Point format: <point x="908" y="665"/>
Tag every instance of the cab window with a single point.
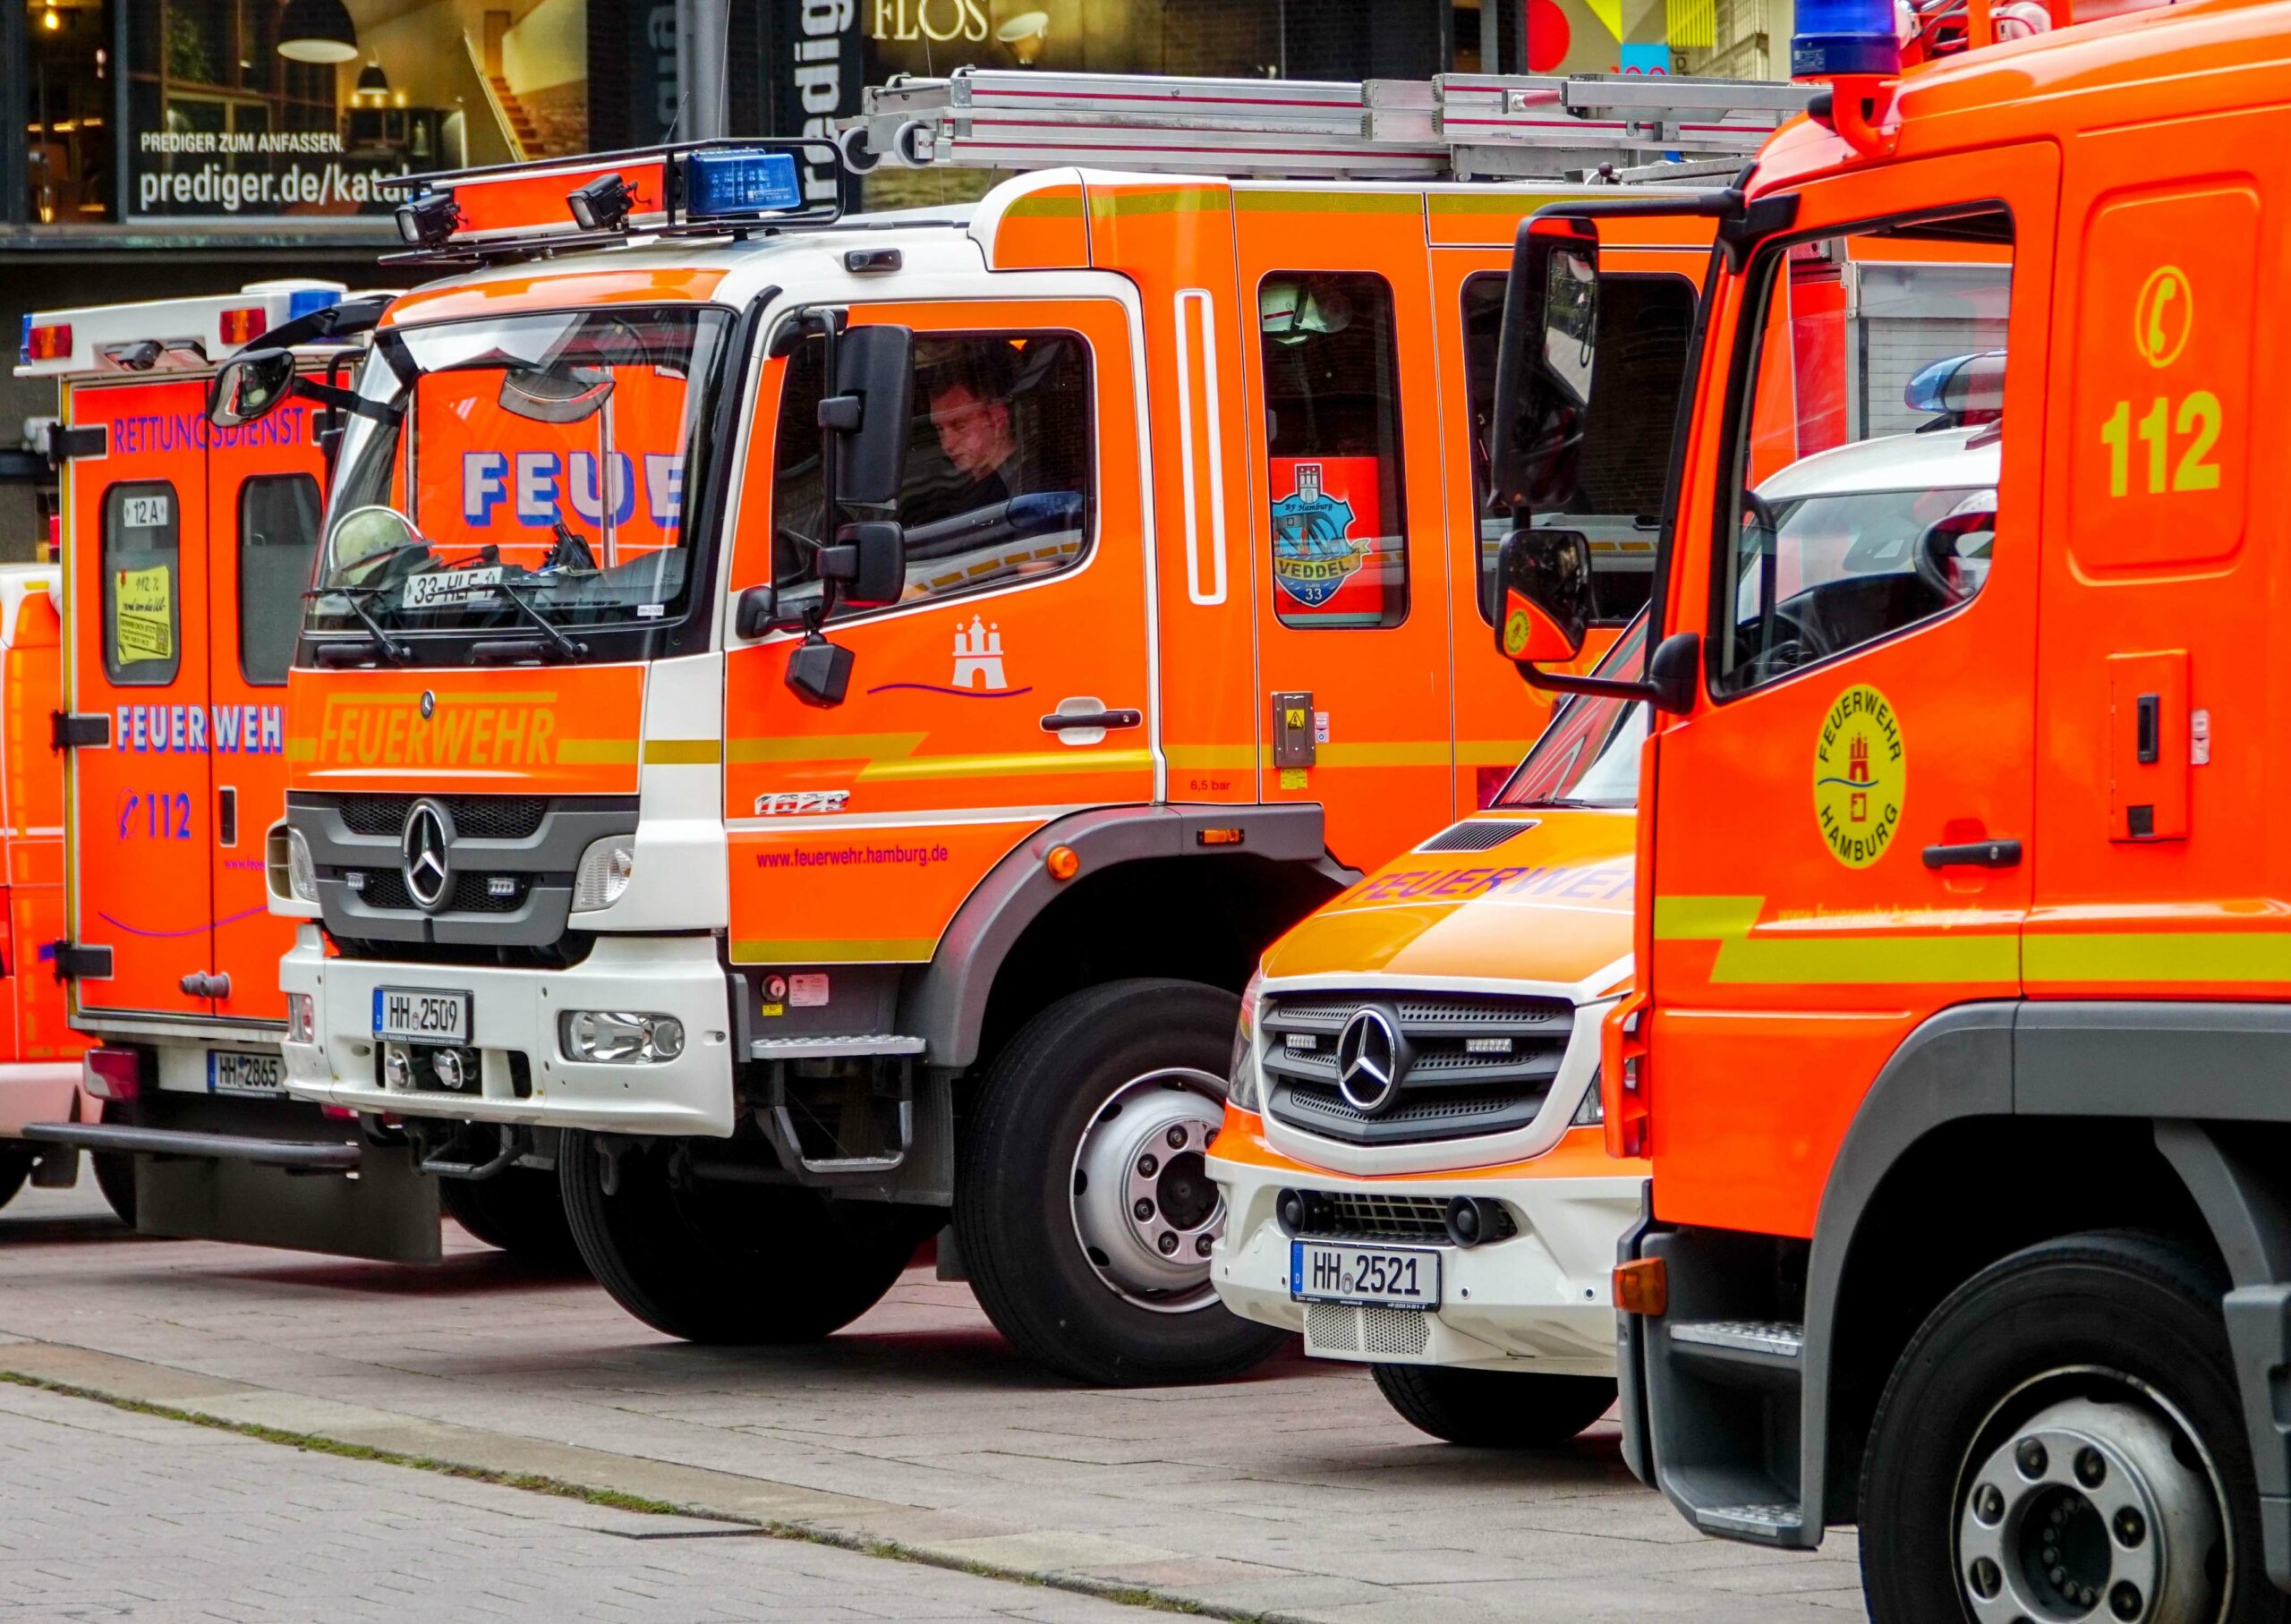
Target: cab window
<point x="278" y="533"/>
<point x="142" y="621"/>
<point x="999" y="486"/>
<point x="1589" y="754"/>
<point x="1645" y="325"/>
<point x="1864" y="457"/>
<point x="1332" y="450"/>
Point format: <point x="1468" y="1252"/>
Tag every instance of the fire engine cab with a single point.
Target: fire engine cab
<point x="808" y="723"/>
<point x="185" y="550"/>
<point x="1959" y="1051"/>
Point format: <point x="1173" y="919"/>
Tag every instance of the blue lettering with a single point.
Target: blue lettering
<point x="587" y="503"/>
<point x="537" y="488"/>
<point x="664" y="488"/>
<point x="484" y="483"/>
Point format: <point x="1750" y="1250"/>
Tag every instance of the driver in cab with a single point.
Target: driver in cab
<point x="968" y="401"/>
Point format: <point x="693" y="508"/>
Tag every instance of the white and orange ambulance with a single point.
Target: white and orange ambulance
<point x="186" y="552"/>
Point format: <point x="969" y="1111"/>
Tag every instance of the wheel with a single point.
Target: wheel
<point x="116" y="1171"/>
<point x="519" y="1210"/>
<point x="1493" y="1410"/>
<point x="15" y="1167"/>
<point x="2063" y="1439"/>
<point x="1081" y="1202"/>
<point x="731" y="1263"/>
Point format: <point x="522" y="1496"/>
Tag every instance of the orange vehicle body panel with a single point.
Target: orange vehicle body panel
<point x="556" y="289"/>
<point x="1580" y="1153"/>
<point x="1783" y="978"/>
<point x="32" y="1015"/>
<point x="558" y="730"/>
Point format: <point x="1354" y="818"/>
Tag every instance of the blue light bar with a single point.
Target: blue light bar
<point x="1839" y="37"/>
<point x="724" y="183"/>
<point x="306" y="301"/>
<point x="1970" y="388"/>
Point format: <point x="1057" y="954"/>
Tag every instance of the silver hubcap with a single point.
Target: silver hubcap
<point x="2087" y="1510"/>
<point x="1144" y="1210"/>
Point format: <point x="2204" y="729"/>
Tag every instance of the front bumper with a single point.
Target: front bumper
<point x="37" y="1091"/>
<point x="515" y="1012"/>
<point x="1540" y="1300"/>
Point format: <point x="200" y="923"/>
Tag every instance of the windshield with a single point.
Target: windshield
<point x="530" y="467"/>
<point x="1819" y="541"/>
<point x="1589" y="756"/>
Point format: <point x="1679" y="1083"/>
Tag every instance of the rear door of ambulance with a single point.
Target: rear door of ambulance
<point x="140" y="823"/>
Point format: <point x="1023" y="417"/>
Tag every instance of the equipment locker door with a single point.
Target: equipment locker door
<point x="138" y="633"/>
<point x="1838" y="828"/>
<point x="1341" y="379"/>
<point x="263" y="512"/>
<point x="1012" y="683"/>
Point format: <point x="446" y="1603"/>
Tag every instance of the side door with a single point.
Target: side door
<point x="1343" y="390"/>
<point x="264" y="507"/>
<point x="1014" y="681"/>
<point x="141" y="822"/>
<point x="1647" y="298"/>
<point x="1837" y="851"/>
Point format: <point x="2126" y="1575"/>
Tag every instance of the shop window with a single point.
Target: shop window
<point x="1846" y="530"/>
<point x="1332" y="411"/>
<point x="998" y="485"/>
<point x="143" y="620"/>
<point x="67" y="101"/>
<point x="1645" y="322"/>
<point x="279" y="533"/>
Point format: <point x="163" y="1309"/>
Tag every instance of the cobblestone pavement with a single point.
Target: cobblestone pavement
<point x="111" y="1515"/>
<point x="1297" y="1492"/>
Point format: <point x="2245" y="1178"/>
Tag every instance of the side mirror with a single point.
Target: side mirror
<point x="1547" y="357"/>
<point x="757" y="612"/>
<point x="1545" y="577"/>
<point x="871" y="411"/>
<point x="869" y="559"/>
<point x="819" y="672"/>
<point x="251" y="387"/>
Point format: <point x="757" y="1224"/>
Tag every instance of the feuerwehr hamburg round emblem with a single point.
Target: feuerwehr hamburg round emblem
<point x="1368" y="1061"/>
<point x="422" y="852"/>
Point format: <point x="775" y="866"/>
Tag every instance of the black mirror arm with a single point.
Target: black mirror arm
<point x="1669" y="685"/>
<point x="347" y="400"/>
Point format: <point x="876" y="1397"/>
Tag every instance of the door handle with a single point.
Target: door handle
<point x="1074" y="721"/>
<point x="200" y="984"/>
<point x="1976" y="854"/>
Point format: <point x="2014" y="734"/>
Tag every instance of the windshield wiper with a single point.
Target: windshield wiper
<point x="393" y="650"/>
<point x="567" y="648"/>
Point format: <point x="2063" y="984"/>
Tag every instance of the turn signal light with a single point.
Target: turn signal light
<point x="51" y="343"/>
<point x="1063" y="863"/>
<point x="244" y="325"/>
<point x="1641" y="1286"/>
<point x="111" y="1074"/>
<point x="1220" y="836"/>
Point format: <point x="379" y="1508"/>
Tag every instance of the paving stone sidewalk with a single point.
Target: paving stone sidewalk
<point x="111" y="1515"/>
<point x="1297" y="1493"/>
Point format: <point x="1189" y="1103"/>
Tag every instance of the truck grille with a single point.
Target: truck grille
<point x="475" y="817"/>
<point x="1347" y="1215"/>
<point x="1472" y="1064"/>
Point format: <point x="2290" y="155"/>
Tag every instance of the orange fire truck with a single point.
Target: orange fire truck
<point x="39" y="1054"/>
<point x="1960" y="1051"/>
<point x="824" y="716"/>
<point x="185" y="550"/>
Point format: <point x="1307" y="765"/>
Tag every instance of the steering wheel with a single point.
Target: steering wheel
<point x="1792" y="639"/>
<point x="1939" y="566"/>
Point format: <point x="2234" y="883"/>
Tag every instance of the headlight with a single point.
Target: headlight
<point x="606" y="869"/>
<point x="301" y="1018"/>
<point x="302" y="876"/>
<point x="1242" y="1089"/>
<point x="619" y="1038"/>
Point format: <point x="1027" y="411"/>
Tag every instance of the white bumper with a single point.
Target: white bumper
<point x="1540" y="1300"/>
<point x="36" y="1092"/>
<point x="515" y="1012"/>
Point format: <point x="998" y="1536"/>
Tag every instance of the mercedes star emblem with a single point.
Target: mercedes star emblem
<point x="1368" y="1061"/>
<point x="428" y="836"/>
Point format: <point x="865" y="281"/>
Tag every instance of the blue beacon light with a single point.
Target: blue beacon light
<point x="1838" y="37"/>
<point x="740" y="183"/>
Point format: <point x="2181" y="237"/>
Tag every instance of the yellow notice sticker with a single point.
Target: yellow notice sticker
<point x="1859" y="773"/>
<point x="1293" y="777"/>
<point x="143" y="614"/>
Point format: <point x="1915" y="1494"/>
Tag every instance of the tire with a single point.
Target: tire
<point x="1495" y="1409"/>
<point x="732" y="1264"/>
<point x="2105" y="1340"/>
<point x="1106" y="1310"/>
<point x="519" y="1210"/>
<point x="15" y="1167"/>
<point x="116" y="1171"/>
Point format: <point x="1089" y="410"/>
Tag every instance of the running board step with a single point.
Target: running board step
<point x="1765" y="1344"/>
<point x="1771" y="1524"/>
<point x="301" y="1155"/>
<point x="833" y="1047"/>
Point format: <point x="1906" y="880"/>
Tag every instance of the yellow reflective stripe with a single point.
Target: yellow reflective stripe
<point x="595" y="752"/>
<point x="683" y="752"/>
<point x="1329" y="202"/>
<point x="1065" y="203"/>
<point x="858" y="950"/>
<point x="2159" y="955"/>
<point x="1492" y="752"/>
<point x="1076" y="760"/>
<point x="1106" y="203"/>
<point x="1378" y="755"/>
<point x="304" y="749"/>
<point x="1193" y="758"/>
<point x="822" y="747"/>
<point x="1496" y="203"/>
<point x="1825" y="956"/>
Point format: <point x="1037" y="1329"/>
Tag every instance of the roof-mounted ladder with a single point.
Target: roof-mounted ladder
<point x="1458" y="126"/>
